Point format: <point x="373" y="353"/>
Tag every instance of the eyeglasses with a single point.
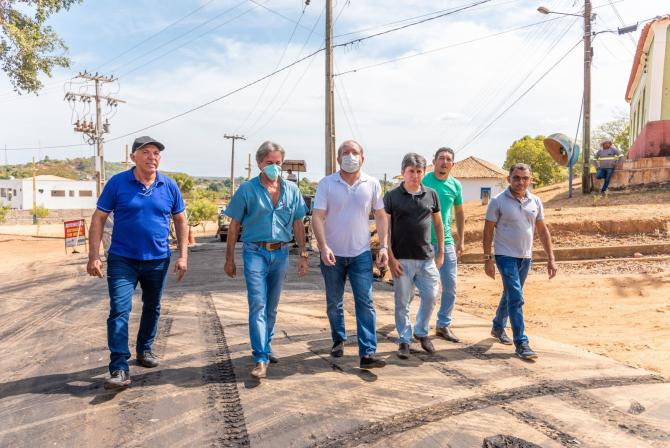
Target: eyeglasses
<point x="149" y="190"/>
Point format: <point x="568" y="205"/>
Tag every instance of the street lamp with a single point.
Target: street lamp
<point x="545" y="10"/>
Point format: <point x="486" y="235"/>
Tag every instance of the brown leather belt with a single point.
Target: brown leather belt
<point x="271" y="246"/>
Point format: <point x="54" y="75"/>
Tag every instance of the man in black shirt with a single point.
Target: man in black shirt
<point x="411" y="208"/>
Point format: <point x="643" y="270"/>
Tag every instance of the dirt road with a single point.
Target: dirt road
<point x="53" y="358"/>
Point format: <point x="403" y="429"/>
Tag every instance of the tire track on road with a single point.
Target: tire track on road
<point x="223" y="406"/>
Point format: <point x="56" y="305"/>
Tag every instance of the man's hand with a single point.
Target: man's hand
<point x="180" y="268"/>
<point x="459" y="249"/>
<point x="230" y="268"/>
<point x="439" y="260"/>
<point x="328" y="257"/>
<point x="396" y="268"/>
<point x="490" y="269"/>
<point x="382" y="257"/>
<point x="302" y="267"/>
<point x="552" y="269"/>
<point x="94" y="267"/>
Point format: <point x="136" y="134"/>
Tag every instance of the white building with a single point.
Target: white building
<point x="53" y="192"/>
<point x="479" y="178"/>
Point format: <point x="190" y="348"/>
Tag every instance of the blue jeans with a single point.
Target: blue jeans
<point x="513" y="272"/>
<point x="448" y="274"/>
<point x="605" y="173"/>
<point x="264" y="273"/>
<point x="359" y="271"/>
<point x="423" y="274"/>
<point x="123" y="274"/>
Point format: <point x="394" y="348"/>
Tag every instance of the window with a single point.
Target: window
<point x="71" y="193"/>
<point x="41" y="190"/>
<point x="3" y="193"/>
<point x="15" y="192"/>
<point x="57" y="193"/>
<point x="85" y="193"/>
<point x="485" y="192"/>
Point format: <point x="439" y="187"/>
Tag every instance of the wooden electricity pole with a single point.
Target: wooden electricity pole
<point x="34" y="193"/>
<point x="95" y="131"/>
<point x="232" y="160"/>
<point x="127" y="161"/>
<point x="586" y="141"/>
<point x="330" y="89"/>
<point x="249" y="167"/>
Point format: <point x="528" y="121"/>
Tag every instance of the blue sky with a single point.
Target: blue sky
<point x="442" y="98"/>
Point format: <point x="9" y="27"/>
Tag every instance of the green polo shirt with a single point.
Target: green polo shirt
<point x="450" y="193"/>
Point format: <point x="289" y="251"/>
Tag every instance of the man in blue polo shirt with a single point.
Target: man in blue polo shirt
<point x="267" y="208"/>
<point x="143" y="201"/>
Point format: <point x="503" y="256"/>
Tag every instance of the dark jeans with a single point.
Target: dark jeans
<point x="513" y="272"/>
<point x="605" y="173"/>
<point x="123" y="274"/>
<point x="359" y="271"/>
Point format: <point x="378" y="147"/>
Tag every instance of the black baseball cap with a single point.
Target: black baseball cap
<point x="146" y="140"/>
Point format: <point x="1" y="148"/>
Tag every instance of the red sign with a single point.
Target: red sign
<point x="75" y="232"/>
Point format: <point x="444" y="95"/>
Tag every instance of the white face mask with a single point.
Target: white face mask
<point x="350" y="163"/>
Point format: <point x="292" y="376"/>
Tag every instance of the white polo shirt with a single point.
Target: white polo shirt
<point x="347" y="212"/>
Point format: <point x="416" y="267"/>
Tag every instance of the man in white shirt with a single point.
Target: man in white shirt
<point x="341" y="225"/>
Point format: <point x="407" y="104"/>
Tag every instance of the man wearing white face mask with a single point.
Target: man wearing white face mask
<point x="341" y="212"/>
<point x="266" y="207"/>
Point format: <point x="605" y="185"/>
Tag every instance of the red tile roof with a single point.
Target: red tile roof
<point x="475" y="168"/>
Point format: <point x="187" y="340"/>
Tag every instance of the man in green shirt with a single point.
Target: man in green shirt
<point x="449" y="192"/>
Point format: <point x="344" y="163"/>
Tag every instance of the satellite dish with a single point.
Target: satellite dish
<point x="562" y="149"/>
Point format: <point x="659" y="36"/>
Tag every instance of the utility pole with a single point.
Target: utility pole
<point x="127" y="161"/>
<point x="249" y="167"/>
<point x="6" y="162"/>
<point x="586" y="141"/>
<point x="330" y="89"/>
<point x="384" y="188"/>
<point x="232" y="160"/>
<point x="34" y="193"/>
<point x="95" y="132"/>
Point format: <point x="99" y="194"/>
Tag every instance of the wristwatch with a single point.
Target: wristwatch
<point x="488" y="257"/>
<point x="304" y="254"/>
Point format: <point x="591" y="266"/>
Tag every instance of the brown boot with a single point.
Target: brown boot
<point x="446" y="333"/>
<point x="260" y="371"/>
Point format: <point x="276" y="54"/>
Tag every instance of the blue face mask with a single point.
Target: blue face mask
<point x="272" y="171"/>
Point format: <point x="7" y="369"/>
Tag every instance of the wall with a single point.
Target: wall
<point x="54" y="217"/>
<point x="45" y="198"/>
<point x="472" y="188"/>
<point x="647" y="171"/>
<point x="9" y="186"/>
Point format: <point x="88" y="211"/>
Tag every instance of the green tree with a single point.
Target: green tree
<point x="618" y="130"/>
<point x="531" y="151"/>
<point x="28" y="47"/>
<point x="184" y="182"/>
<point x="306" y="187"/>
<point x="4" y="209"/>
<point x="200" y="211"/>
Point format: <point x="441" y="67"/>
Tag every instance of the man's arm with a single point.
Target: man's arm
<point x="94" y="266"/>
<point x="545" y="239"/>
<point x="299" y="235"/>
<point x="438" y="225"/>
<point x="489" y="265"/>
<point x="319" y="223"/>
<point x="381" y="221"/>
<point x="394" y="266"/>
<point x="181" y="229"/>
<point x="231" y="240"/>
<point x="460" y="228"/>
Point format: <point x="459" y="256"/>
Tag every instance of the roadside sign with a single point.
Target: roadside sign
<point x="75" y="233"/>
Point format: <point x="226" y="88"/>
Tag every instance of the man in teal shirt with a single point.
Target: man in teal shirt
<point x="449" y="192"/>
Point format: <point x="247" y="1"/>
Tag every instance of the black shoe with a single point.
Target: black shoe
<point x="273" y="359"/>
<point x="426" y="344"/>
<point x="120" y="379"/>
<point x="147" y="359"/>
<point x="338" y="349"/>
<point x="501" y="336"/>
<point x="370" y="362"/>
<point x="403" y="350"/>
<point x="446" y="333"/>
<point x="524" y="351"/>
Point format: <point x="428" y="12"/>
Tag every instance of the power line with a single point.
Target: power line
<point x="479" y="134"/>
<point x="148" y="38"/>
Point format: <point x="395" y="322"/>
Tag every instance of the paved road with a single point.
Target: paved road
<point x="53" y="360"/>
